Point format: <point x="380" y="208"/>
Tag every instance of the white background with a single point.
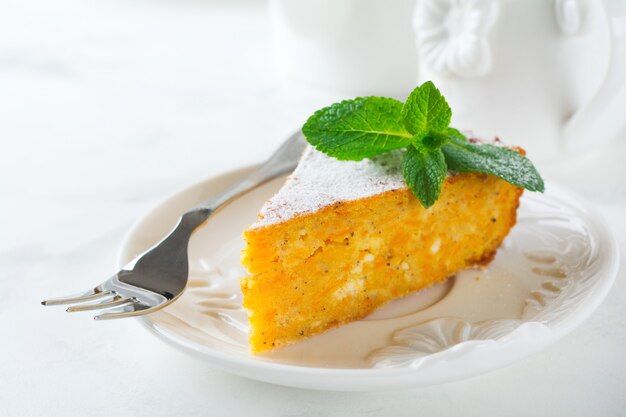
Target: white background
<point x="106" y="108"/>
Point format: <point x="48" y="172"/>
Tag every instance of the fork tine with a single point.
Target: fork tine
<point x="78" y="298"/>
<point x="135" y="309"/>
<point x="114" y="302"/>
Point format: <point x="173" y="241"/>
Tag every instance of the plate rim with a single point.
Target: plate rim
<point x="250" y="366"/>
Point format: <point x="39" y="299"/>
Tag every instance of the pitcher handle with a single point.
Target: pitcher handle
<point x="604" y="117"/>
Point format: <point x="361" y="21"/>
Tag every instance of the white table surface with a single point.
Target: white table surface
<point x="108" y="107"/>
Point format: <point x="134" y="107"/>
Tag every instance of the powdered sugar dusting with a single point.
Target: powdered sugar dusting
<point x="320" y="181"/>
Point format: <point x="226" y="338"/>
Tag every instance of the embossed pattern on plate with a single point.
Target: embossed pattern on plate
<point x="552" y="271"/>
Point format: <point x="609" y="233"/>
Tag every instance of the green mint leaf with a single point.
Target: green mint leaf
<point x="455" y="135"/>
<point x="357" y="129"/>
<point x="424" y="170"/>
<point x="426" y="110"/>
<point x="501" y="162"/>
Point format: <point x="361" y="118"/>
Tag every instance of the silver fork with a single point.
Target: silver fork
<point x="158" y="276"/>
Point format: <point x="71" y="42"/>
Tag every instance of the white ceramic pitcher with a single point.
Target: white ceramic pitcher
<point x="350" y="47"/>
<point x="549" y="75"/>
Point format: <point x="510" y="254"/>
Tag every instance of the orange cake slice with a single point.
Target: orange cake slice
<point x="342" y="238"/>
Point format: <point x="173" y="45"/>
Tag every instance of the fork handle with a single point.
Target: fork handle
<point x="282" y="161"/>
<point x="195" y="217"/>
<point x="169" y="257"/>
<point x="172" y="248"/>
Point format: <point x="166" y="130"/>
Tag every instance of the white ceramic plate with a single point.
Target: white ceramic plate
<point x="553" y="270"/>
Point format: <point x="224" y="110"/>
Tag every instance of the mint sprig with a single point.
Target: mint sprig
<point x="368" y="126"/>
